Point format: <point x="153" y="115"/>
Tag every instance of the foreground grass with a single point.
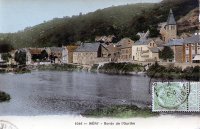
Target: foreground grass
<point x="4" y="96"/>
<point x="120" y="111"/>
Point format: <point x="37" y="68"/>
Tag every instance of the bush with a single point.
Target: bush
<point x="4" y="96"/>
<point x="171" y="72"/>
<point x="121" y="68"/>
<point x="192" y="73"/>
<point x="56" y="67"/>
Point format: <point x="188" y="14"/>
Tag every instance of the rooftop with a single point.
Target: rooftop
<point x="125" y="42"/>
<point x="154" y="50"/>
<point x="192" y="39"/>
<point x="143" y="41"/>
<point x="171" y="19"/>
<point x="175" y="42"/>
<point x="56" y="49"/>
<point x="88" y="47"/>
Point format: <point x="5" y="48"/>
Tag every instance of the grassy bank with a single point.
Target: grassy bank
<point x="172" y="72"/>
<point x="62" y="67"/>
<point x="4" y="96"/>
<point x="119" y="68"/>
<point x="120" y="111"/>
<point x="18" y="69"/>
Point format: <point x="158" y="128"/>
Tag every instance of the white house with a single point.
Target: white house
<point x="145" y="50"/>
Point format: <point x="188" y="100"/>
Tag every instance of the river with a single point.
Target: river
<point x="56" y="93"/>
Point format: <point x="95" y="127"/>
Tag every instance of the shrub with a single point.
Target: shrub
<point x="4" y="96"/>
<point x="121" y="68"/>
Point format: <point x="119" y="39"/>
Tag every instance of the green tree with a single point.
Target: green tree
<point x="5" y="46"/>
<point x="6" y="56"/>
<point x="166" y="54"/>
<point x="20" y="57"/>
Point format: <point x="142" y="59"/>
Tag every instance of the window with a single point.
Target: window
<point x="172" y="27"/>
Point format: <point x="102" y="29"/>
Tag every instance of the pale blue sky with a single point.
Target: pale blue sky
<point x="15" y="15"/>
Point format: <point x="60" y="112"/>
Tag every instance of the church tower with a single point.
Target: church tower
<point x="171" y="27"/>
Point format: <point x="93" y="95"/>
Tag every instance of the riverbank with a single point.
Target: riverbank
<point x="118" y="68"/>
<point x="15" y="69"/>
<point x="154" y="71"/>
<point x="120" y="111"/>
<point x="61" y="67"/>
<point x="4" y="96"/>
<point x="171" y="72"/>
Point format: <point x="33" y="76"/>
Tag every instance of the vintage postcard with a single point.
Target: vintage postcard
<point x="99" y="64"/>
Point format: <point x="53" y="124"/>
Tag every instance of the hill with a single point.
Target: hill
<point x="121" y="21"/>
<point x="189" y="22"/>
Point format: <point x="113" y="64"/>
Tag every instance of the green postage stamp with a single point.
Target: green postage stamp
<point x="176" y="96"/>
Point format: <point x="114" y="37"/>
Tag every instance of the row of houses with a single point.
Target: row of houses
<point x="144" y="50"/>
<point x="47" y="55"/>
<point x="126" y="50"/>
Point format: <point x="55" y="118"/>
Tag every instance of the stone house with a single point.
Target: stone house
<point x="113" y="51"/>
<point x="58" y="55"/>
<point x="125" y="49"/>
<point x="168" y="30"/>
<point x="35" y="53"/>
<point x="71" y="49"/>
<point x="90" y="53"/>
<point x="177" y="47"/>
<point x="186" y="50"/>
<point x="145" y="50"/>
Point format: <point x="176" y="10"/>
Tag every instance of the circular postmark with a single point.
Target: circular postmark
<point x="7" y="125"/>
<point x="171" y="96"/>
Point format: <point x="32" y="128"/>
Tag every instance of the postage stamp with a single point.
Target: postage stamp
<point x="176" y="96"/>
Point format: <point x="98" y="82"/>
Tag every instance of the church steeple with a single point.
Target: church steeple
<point x="171" y="19"/>
<point x="170" y="28"/>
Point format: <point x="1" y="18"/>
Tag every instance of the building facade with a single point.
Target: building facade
<point x="168" y="30"/>
<point x="125" y="47"/>
<point x="90" y="53"/>
<point x="186" y="50"/>
<point x="145" y="50"/>
<point x="178" y="49"/>
<point x="191" y="49"/>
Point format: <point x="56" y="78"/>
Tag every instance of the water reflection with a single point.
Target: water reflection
<point x="47" y="93"/>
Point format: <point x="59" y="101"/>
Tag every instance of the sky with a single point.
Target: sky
<point x="15" y="15"/>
